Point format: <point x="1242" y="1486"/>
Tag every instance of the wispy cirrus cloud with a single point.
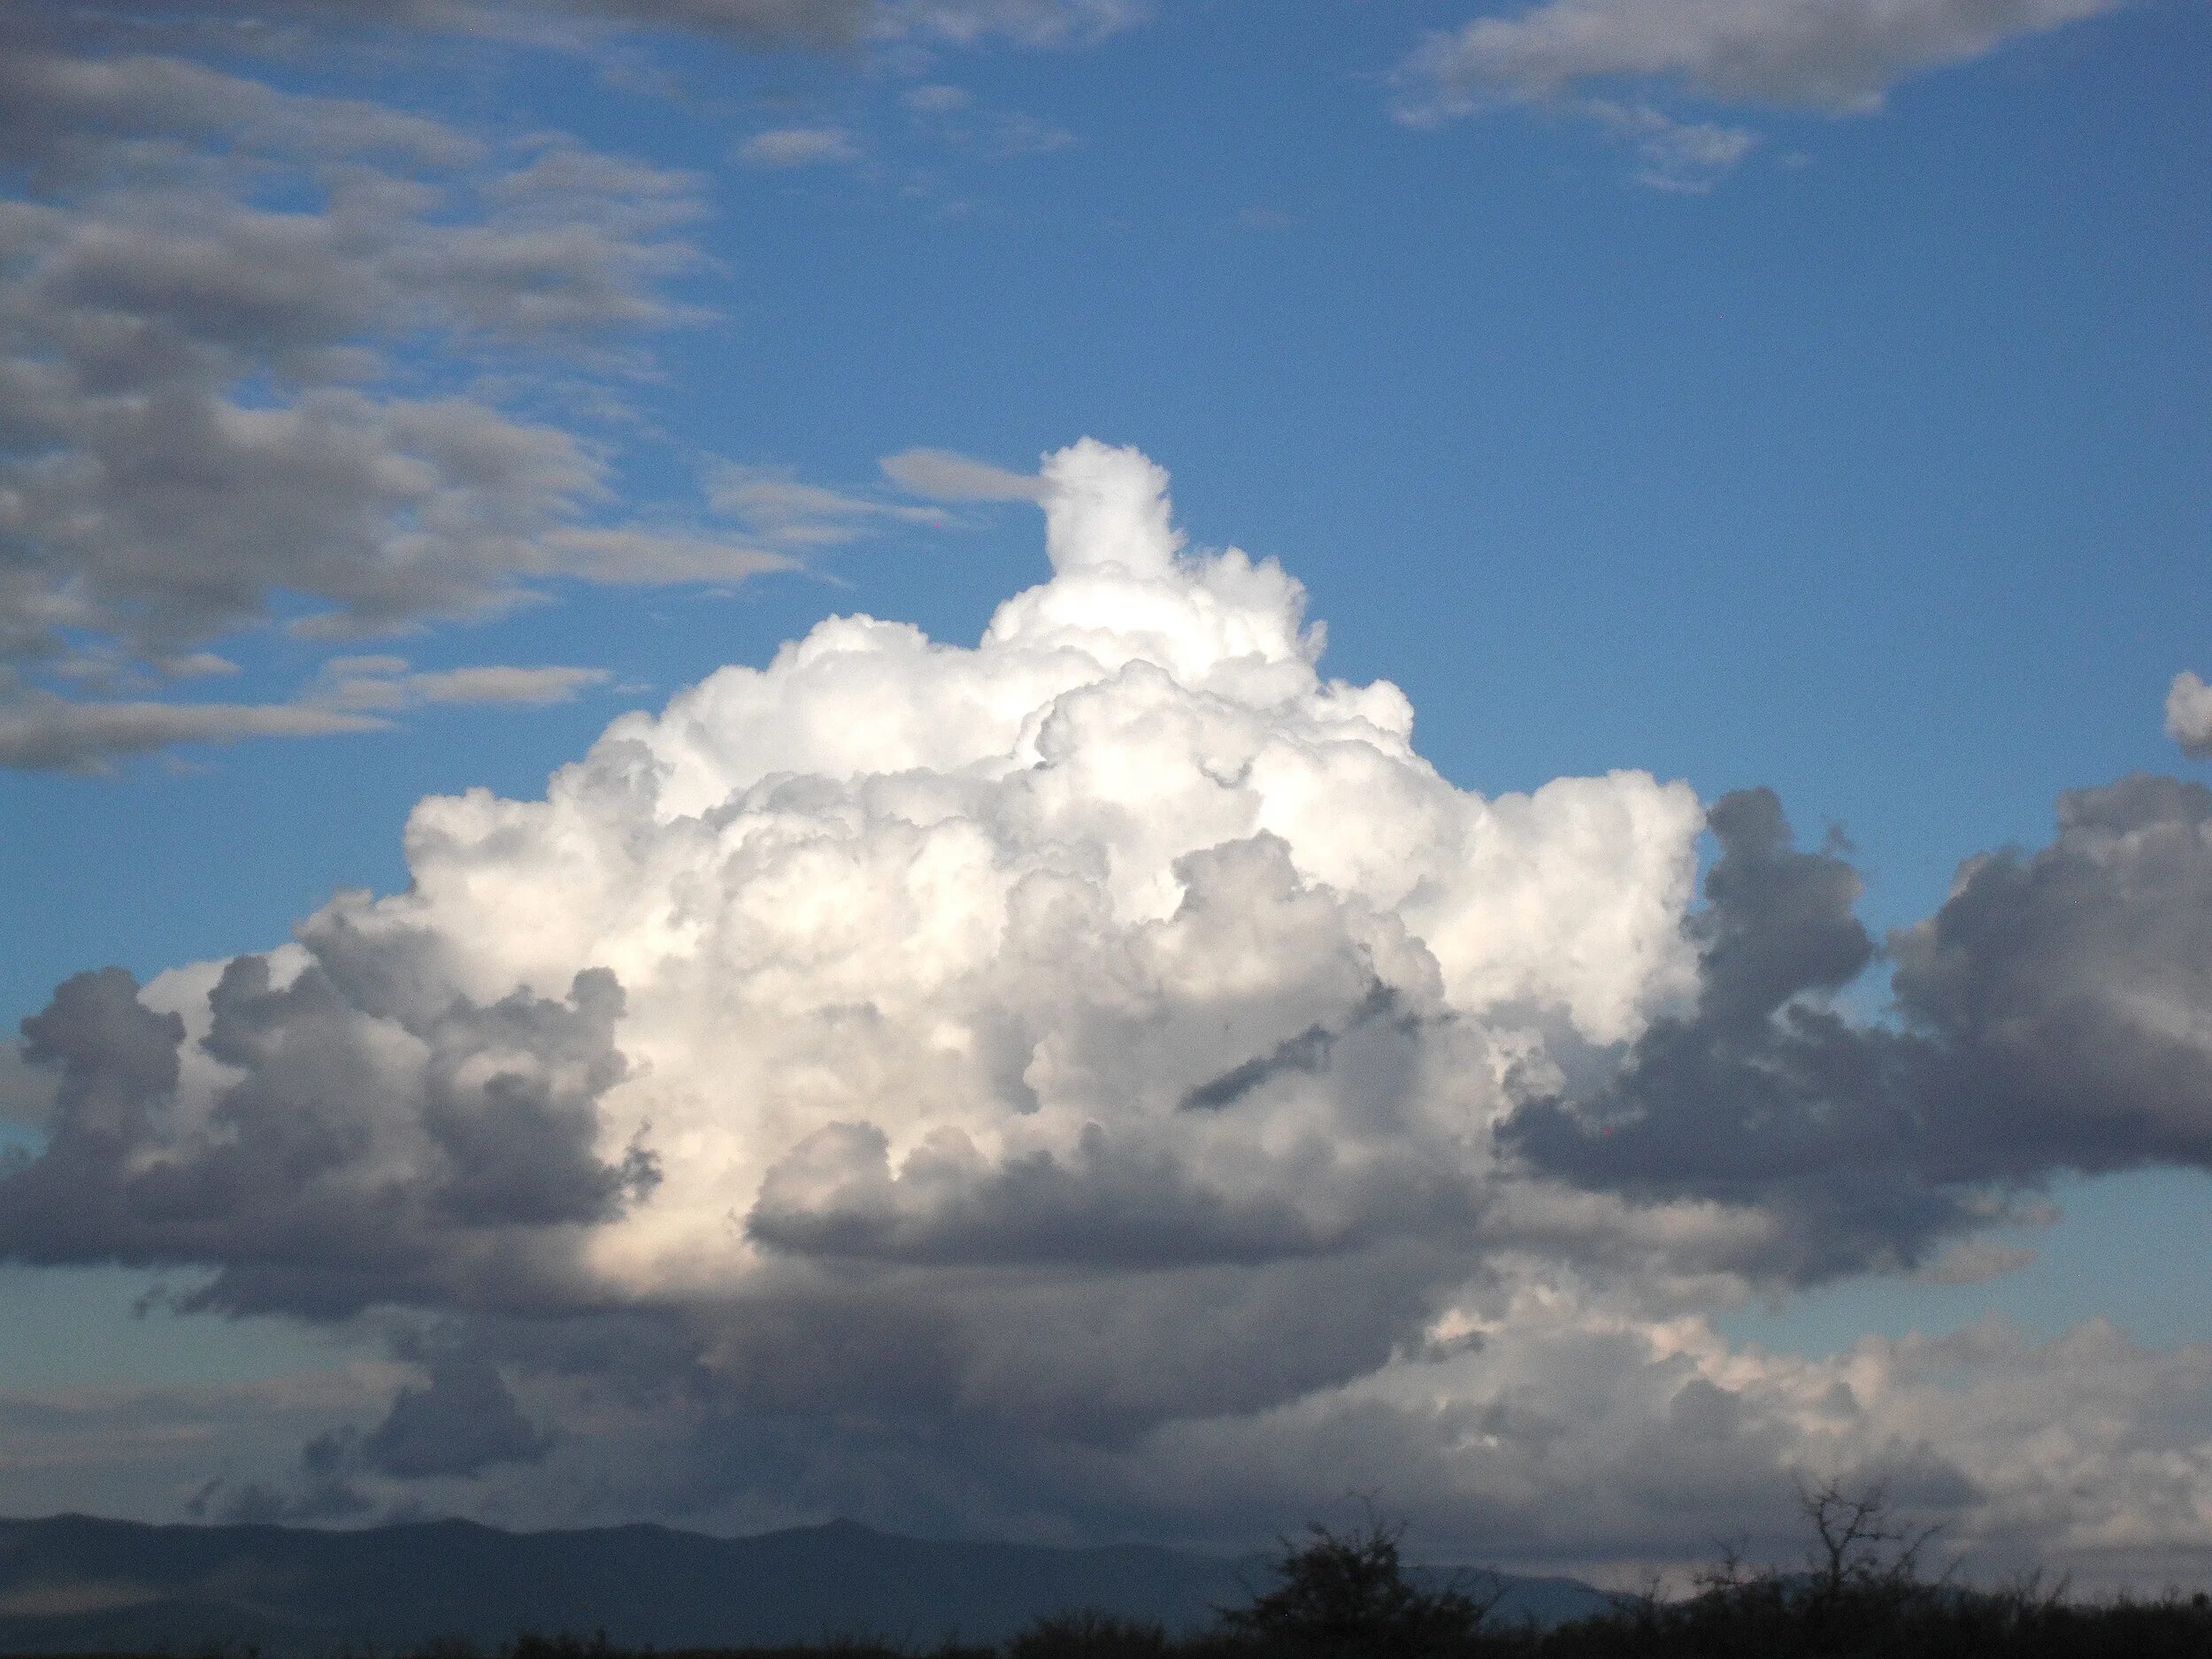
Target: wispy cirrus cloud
<point x="1611" y="60"/>
<point x="41" y="732"/>
<point x="944" y="475"/>
<point x="750" y="24"/>
<point x="778" y="508"/>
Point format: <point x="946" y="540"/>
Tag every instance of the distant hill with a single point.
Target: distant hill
<point x="72" y="1584"/>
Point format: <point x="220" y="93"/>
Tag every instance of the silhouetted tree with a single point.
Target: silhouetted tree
<point x="1859" y="1545"/>
<point x="1346" y="1593"/>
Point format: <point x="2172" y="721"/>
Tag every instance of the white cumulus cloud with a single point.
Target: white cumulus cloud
<point x="1105" y="1071"/>
<point x="2189" y="715"/>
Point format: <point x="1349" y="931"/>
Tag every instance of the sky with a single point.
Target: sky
<point x="1085" y="770"/>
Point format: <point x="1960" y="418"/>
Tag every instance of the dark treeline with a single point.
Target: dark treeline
<point x="1861" y="1594"/>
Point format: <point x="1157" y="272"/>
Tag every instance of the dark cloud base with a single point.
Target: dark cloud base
<point x="2027" y="1038"/>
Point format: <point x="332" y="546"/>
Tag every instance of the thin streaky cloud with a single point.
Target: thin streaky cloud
<point x="1836" y="55"/>
<point x="945" y="475"/>
<point x="1582" y="56"/>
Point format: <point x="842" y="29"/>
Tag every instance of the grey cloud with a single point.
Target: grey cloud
<point x="1779" y="921"/>
<point x="2051" y="1015"/>
<point x="1308" y="1052"/>
<point x="177" y="512"/>
<point x="1976" y="1262"/>
<point x="26" y="1092"/>
<point x="1604" y="60"/>
<point x="83" y="119"/>
<point x="773" y="22"/>
<point x="749" y="24"/>
<point x="743" y="23"/>
<point x="213" y="292"/>
<point x="463" y="1422"/>
<point x="368" y="1141"/>
<point x="46" y="732"/>
<point x="322" y="1493"/>
<point x="776" y="506"/>
<point x="1827" y="54"/>
<point x="1236" y="1167"/>
<point x="182" y="235"/>
<point x="1075" y="1353"/>
<point x="1207" y="1345"/>
<point x="942" y="475"/>
<point x="835" y="1195"/>
<point x="387" y="682"/>
<point x="55" y="735"/>
<point x="2070" y="988"/>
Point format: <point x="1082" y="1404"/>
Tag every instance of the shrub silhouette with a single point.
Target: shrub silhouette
<point x="1089" y="1634"/>
<point x="1346" y="1593"/>
<point x="1860" y="1594"/>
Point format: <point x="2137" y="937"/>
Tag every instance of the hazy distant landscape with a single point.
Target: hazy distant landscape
<point x="80" y="1584"/>
<point x="451" y="1590"/>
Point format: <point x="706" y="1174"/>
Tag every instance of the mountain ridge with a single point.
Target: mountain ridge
<point x="83" y="1584"/>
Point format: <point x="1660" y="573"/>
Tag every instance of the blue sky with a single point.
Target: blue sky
<point x="1855" y="447"/>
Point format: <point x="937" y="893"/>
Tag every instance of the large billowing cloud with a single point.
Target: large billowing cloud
<point x="1105" y="1075"/>
<point x="1061" y="956"/>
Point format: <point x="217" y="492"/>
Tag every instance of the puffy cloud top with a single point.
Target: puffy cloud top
<point x="1121" y="943"/>
<point x="905" y="927"/>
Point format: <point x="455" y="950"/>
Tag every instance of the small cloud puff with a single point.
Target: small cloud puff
<point x="2189" y="715"/>
<point x="800" y="147"/>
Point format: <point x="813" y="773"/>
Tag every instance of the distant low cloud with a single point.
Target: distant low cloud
<point x="462" y="1422"/>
